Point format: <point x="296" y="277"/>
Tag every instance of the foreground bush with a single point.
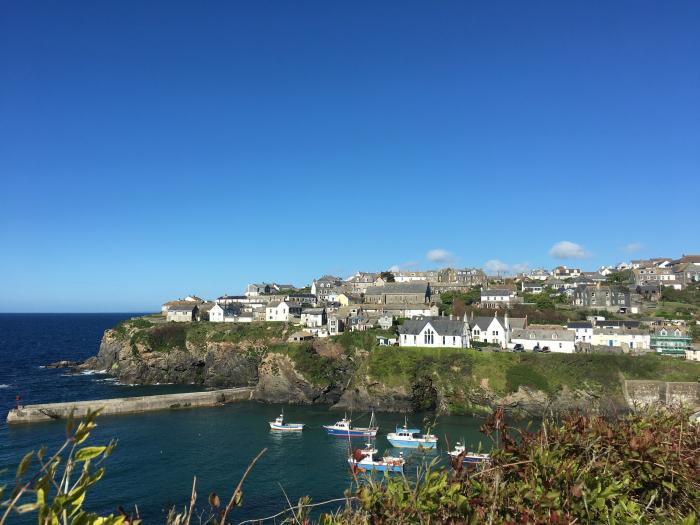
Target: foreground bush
<point x="640" y="468"/>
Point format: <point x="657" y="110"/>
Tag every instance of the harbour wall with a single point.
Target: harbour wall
<point x="128" y="405"/>
<point x="645" y="393"/>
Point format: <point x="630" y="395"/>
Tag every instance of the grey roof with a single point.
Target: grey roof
<point x="441" y="325"/>
<point x="544" y="333"/>
<point x="496" y="292"/>
<point x="629" y="323"/>
<point x="398" y="288"/>
<point x="182" y="308"/>
<point x="274" y="304"/>
<point x="313" y="311"/>
<point x="580" y="324"/>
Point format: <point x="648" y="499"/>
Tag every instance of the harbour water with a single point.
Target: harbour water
<point x="159" y="453"/>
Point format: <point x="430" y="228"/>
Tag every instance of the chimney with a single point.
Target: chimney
<point x="450" y="317"/>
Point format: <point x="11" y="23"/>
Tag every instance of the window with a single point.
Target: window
<point x="428" y="337"/>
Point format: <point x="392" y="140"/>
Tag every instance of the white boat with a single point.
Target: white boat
<point x="405" y="437"/>
<point x="470" y="458"/>
<point x="344" y="428"/>
<point x="279" y="424"/>
<point x="363" y="461"/>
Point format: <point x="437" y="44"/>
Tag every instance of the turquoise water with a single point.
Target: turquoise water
<point x="159" y="453"/>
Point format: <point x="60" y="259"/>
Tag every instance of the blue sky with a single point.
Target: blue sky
<point x="151" y="150"/>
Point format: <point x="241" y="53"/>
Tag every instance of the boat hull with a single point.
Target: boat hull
<point x="377" y="467"/>
<point x="355" y="432"/>
<point x="404" y="443"/>
<point x="293" y="427"/>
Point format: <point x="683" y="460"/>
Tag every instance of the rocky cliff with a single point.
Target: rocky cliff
<point x="350" y="372"/>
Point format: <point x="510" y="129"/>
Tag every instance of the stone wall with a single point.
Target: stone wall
<point x="644" y="393"/>
<point x="127" y="405"/>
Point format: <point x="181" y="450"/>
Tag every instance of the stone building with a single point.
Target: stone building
<point x="399" y="293"/>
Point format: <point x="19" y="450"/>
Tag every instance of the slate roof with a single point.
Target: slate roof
<point x="398" y="288"/>
<point x="312" y="311"/>
<point x="182" y="308"/>
<point x="617" y="323"/>
<point x="441" y="325"/>
<point x="498" y="292"/>
<point x="580" y="324"/>
<point x="544" y="333"/>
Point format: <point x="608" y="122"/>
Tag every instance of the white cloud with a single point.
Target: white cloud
<point x="568" y="250"/>
<point x="494" y="266"/>
<point x="632" y="247"/>
<point x="438" y="255"/>
<point x="403" y="266"/>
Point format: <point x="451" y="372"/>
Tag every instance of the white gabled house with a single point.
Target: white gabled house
<point x="281" y="311"/>
<point x="435" y="332"/>
<point x="495" y="330"/>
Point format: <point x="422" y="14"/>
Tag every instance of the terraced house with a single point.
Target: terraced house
<point x="671" y="340"/>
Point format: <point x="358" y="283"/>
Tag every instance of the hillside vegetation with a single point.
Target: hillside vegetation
<point x="450" y="380"/>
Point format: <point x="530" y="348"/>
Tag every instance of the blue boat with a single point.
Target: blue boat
<point x="363" y="461"/>
<point x="405" y="437"/>
<point x="344" y="428"/>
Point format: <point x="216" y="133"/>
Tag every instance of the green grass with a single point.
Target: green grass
<point x="505" y="372"/>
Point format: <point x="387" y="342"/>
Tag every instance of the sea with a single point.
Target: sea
<point x="159" y="454"/>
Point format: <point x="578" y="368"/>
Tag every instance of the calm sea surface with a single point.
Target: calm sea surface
<point x="159" y="453"/>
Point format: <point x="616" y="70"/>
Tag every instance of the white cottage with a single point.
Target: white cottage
<point x="435" y="332"/>
<point x="555" y="339"/>
<point x="281" y="311"/>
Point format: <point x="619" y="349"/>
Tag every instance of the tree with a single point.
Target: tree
<point x="388" y="277"/>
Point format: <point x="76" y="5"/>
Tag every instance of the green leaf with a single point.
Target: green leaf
<point x="88" y="453"/>
<point x="27" y="507"/>
<point x="670" y="486"/>
<point x="24" y="464"/>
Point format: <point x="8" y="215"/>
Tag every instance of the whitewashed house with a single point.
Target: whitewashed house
<point x="495" y="330"/>
<point x="435" y="332"/>
<point x="495" y="298"/>
<point x="556" y="339"/>
<point x="281" y="311"/>
<point x="629" y="339"/>
<point x="313" y="317"/>
<point x="583" y="331"/>
<point x="386" y="321"/>
<point x="216" y="314"/>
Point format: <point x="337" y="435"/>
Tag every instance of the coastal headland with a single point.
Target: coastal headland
<point x="352" y="372"/>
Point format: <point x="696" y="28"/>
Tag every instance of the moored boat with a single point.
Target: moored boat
<point x="344" y="428"/>
<point x="405" y="437"/>
<point x="468" y="457"/>
<point x="363" y="461"/>
<point x="279" y="424"/>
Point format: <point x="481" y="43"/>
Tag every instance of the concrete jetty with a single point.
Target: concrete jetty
<point x="128" y="405"/>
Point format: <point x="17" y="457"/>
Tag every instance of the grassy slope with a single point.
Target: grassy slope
<point x="453" y="370"/>
<point x="505" y="372"/>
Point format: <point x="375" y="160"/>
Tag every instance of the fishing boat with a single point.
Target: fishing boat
<point x="469" y="458"/>
<point x="344" y="428"/>
<point x="279" y="424"/>
<point x="363" y="461"/>
<point x="405" y="437"/>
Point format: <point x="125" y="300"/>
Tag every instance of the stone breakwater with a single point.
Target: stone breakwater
<point x="128" y="405"/>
